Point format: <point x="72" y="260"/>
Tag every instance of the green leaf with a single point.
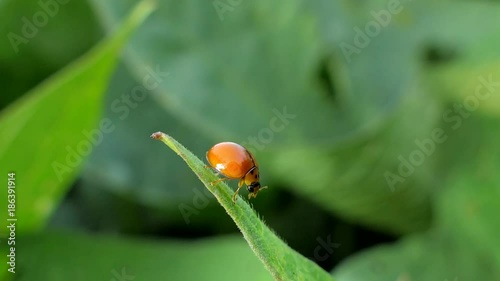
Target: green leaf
<point x="468" y="34"/>
<point x="283" y="262"/>
<point x="469" y="201"/>
<point x="417" y="258"/>
<point x="43" y="46"/>
<point x="288" y="66"/>
<point x="81" y="257"/>
<point x="350" y="181"/>
<point x="463" y="245"/>
<point x="44" y="134"/>
<point x="463" y="241"/>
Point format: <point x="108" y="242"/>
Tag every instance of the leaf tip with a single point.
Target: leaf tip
<point x="158" y="135"/>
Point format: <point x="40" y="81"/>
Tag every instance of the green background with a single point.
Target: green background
<point x="366" y="90"/>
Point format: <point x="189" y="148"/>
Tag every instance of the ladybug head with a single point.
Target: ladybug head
<point x="254" y="188"/>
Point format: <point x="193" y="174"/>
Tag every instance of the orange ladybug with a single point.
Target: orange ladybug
<point x="235" y="162"/>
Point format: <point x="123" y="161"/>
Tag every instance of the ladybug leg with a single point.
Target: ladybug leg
<point x="218" y="180"/>
<point x="254" y="194"/>
<point x="240" y="184"/>
<point x="236" y="193"/>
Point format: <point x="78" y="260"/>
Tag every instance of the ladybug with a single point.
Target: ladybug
<point x="235" y="162"/>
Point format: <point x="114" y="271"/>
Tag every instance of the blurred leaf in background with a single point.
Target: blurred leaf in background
<point x="35" y="48"/>
<point x="112" y="258"/>
<point x="50" y="125"/>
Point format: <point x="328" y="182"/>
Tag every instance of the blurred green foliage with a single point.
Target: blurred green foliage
<point x="108" y="258"/>
<point x="365" y="89"/>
